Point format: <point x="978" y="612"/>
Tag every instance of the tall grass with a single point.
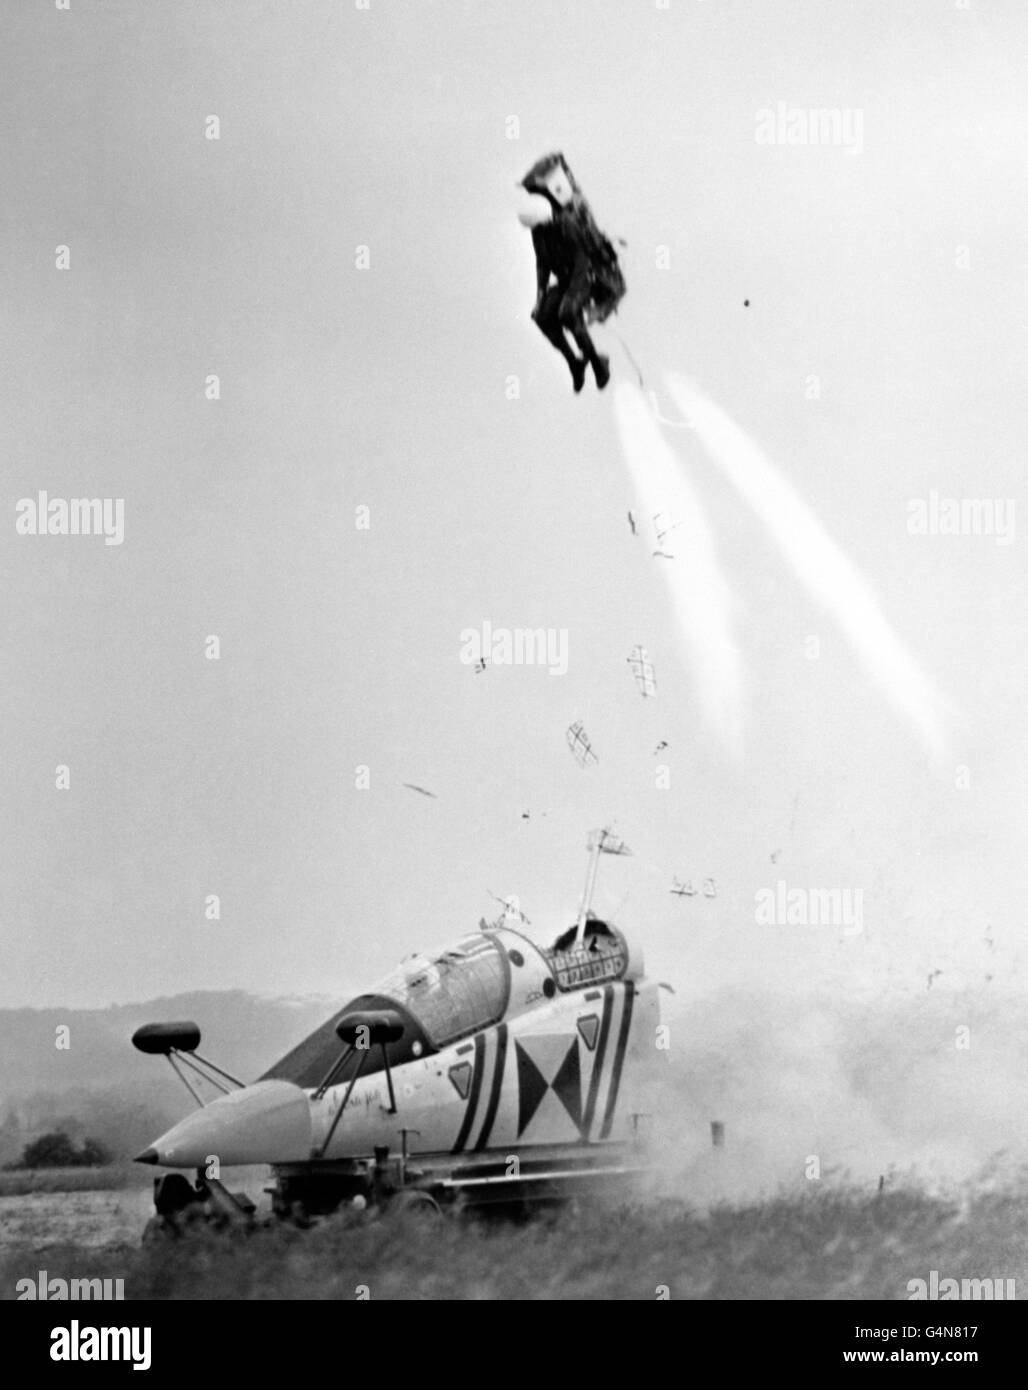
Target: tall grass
<point x="840" y="1244"/>
<point x="113" y="1177"/>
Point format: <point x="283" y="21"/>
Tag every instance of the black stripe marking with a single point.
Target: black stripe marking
<point x="601" y="1048"/>
<point x="619" y="1057"/>
<point x="494" y="1094"/>
<point x="472" y="1105"/>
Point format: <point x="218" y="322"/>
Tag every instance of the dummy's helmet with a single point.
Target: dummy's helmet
<point x="552" y="177"/>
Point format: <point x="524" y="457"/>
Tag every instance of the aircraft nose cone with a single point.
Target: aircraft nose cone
<point x="147" y="1156"/>
<point x="269" y="1122"/>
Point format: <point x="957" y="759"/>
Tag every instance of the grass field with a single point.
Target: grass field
<point x="821" y="1244"/>
<point x="20" y="1182"/>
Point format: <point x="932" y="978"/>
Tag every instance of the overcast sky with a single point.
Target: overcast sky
<point x="891" y="270"/>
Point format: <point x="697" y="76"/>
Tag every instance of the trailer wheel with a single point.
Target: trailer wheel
<point x="158" y="1231"/>
<point x="416" y="1202"/>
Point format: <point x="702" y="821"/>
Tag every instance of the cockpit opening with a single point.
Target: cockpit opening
<point x="601" y="954"/>
<point x="438" y="999"/>
<point x="458" y="992"/>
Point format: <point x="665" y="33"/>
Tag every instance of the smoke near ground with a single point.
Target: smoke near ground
<point x="817" y="1092"/>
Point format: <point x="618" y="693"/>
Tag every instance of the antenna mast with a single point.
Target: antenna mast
<point x="594" y="845"/>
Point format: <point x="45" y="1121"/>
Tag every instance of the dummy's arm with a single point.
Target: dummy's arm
<point x="542" y="267"/>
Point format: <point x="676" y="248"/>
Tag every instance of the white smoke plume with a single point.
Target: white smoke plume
<point x="826" y="572"/>
<point x="700" y="594"/>
<point x="820" y="1093"/>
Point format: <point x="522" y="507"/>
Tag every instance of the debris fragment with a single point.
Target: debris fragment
<point x="642" y="670"/>
<point x="578" y="742"/>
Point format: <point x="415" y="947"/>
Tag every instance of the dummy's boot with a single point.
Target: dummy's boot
<point x="599" y="363"/>
<point x="554" y="334"/>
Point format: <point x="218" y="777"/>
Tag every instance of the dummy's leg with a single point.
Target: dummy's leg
<point x="548" y="319"/>
<point x="572" y="317"/>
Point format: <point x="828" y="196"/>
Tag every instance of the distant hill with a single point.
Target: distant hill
<point x="102" y="1087"/>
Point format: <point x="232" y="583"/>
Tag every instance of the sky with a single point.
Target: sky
<point x="396" y="457"/>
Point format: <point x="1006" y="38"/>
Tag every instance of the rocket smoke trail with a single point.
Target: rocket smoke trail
<point x="832" y="580"/>
<point x="699" y="592"/>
